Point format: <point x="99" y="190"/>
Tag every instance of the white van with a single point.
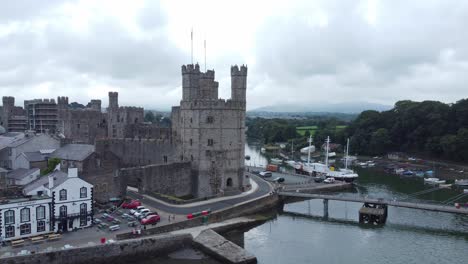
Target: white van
<point x="266" y="174"/>
<point x="114" y="228"/>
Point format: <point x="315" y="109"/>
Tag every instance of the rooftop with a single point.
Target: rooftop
<point x="76" y="152"/>
<point x="58" y="176"/>
<point x="21" y="173"/>
<point x="34" y="156"/>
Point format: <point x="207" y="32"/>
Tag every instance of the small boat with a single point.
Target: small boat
<point x="276" y="161"/>
<point x="445" y="186"/>
<point x="429" y="173"/>
<point x="363" y="164"/>
<point x="399" y="171"/>
<point x="291" y="163"/>
<point x="247" y="157"/>
<point x="433" y="181"/>
<point x="408" y="173"/>
<point x="463" y="183"/>
<point x="419" y="173"/>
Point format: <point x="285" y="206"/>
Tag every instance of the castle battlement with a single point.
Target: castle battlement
<point x="209" y="74"/>
<point x="190" y="69"/>
<point x="8" y="100"/>
<point x="62" y="100"/>
<point x="38" y="101"/>
<point x="218" y="104"/>
<point x="236" y="71"/>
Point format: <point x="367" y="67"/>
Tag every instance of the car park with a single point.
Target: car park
<point x="131" y="204"/>
<point x="150" y="220"/>
<point x="141" y="212"/>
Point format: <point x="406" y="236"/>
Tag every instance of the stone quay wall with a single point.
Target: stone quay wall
<point x="112" y="253"/>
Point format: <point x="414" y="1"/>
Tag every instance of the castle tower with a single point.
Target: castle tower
<point x="62" y="102"/>
<point x="238" y="83"/>
<point x="8" y="106"/>
<point x="210" y="131"/>
<point x="95" y="104"/>
<point x="113" y="100"/>
<point x="190" y="81"/>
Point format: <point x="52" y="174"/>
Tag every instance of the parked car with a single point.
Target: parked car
<point x="114" y="228"/>
<point x="266" y="174"/>
<point x="150" y="220"/>
<point x="140" y="214"/>
<point x="131" y="204"/>
<point x="329" y="180"/>
<point x="318" y="179"/>
<point x="133" y="211"/>
<point x="278" y="179"/>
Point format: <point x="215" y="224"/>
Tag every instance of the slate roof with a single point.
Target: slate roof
<point x="59" y="178"/>
<point x="20" y="173"/>
<point x="34" y="156"/>
<point x="76" y="152"/>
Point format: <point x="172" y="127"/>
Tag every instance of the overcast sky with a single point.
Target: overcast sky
<point x="297" y="52"/>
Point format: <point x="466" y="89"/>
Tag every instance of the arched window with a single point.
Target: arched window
<point x="25" y="215"/>
<point x="40" y="212"/>
<point x="9" y="217"/>
<point x="63" y="195"/>
<point x="63" y="211"/>
<point x="83" y="192"/>
<point x="229" y="182"/>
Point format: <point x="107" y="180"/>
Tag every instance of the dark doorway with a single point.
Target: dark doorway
<point x="229" y="182"/>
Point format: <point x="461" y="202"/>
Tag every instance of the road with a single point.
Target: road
<point x="263" y="188"/>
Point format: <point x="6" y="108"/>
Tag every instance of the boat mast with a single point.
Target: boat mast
<point x="308" y="155"/>
<point x="292" y="150"/>
<point x="326" y="155"/>
<point x="347" y="153"/>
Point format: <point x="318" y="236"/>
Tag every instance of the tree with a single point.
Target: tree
<point x="51" y="164"/>
<point x="149" y="117"/>
<point x="380" y="142"/>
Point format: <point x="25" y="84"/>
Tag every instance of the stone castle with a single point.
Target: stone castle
<point x="200" y="155"/>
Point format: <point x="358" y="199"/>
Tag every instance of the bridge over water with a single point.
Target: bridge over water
<point x="374" y="210"/>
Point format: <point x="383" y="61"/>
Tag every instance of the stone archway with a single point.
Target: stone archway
<point x="229" y="183"/>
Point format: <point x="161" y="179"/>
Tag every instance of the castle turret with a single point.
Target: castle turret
<point x="238" y="83"/>
<point x="8" y="106"/>
<point x="190" y="81"/>
<point x="62" y="102"/>
<point x="113" y="100"/>
<point x="95" y="104"/>
<point x="208" y="88"/>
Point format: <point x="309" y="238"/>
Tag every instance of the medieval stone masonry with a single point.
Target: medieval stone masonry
<point x="202" y="152"/>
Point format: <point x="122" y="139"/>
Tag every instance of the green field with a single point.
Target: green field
<point x="302" y="130"/>
<point x="312" y="129"/>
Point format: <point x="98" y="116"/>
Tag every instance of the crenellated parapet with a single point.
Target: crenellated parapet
<point x="191" y="69"/>
<point x="239" y="71"/>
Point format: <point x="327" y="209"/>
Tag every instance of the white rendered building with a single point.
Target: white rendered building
<point x="25" y="217"/>
<point x="72" y="199"/>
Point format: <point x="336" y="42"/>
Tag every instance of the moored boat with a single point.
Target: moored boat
<point x="463" y="183"/>
<point x="433" y="181"/>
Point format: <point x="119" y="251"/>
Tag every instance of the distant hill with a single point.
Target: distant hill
<point x="348" y="107"/>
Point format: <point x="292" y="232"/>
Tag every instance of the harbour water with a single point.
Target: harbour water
<point x="301" y="235"/>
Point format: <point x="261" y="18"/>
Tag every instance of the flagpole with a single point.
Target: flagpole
<point x="191" y="45"/>
<point x="205" y="54"/>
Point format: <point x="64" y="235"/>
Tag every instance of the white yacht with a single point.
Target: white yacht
<point x="433" y="181"/>
<point x="320" y="169"/>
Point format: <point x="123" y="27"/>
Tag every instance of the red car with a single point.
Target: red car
<point x="131" y="205"/>
<point x="150" y="220"/>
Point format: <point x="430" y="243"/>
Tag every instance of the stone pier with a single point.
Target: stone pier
<point x="222" y="249"/>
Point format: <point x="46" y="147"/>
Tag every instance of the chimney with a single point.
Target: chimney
<point x="51" y="182"/>
<point x="72" y="172"/>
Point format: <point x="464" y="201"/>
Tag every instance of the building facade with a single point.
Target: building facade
<point x="25" y="217"/>
<point x="72" y="199"/>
